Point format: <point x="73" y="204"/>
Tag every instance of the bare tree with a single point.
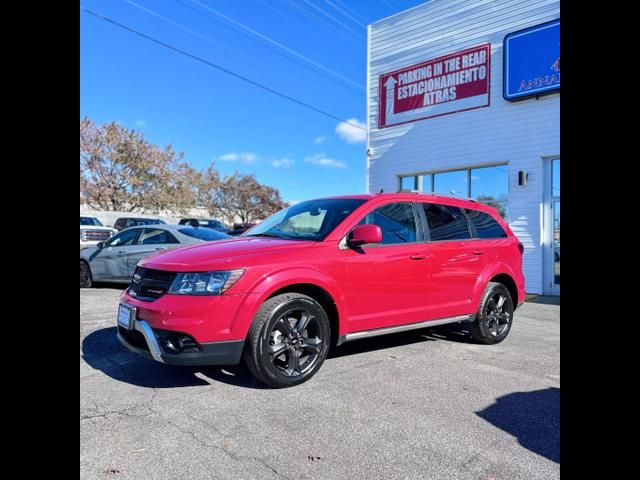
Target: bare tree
<point x="120" y="170"/>
<point x="242" y="197"/>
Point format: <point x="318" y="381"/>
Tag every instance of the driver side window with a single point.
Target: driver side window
<point x="397" y="222"/>
<point x="123" y="238"/>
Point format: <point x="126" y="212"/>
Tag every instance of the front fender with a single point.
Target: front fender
<point x="268" y="284"/>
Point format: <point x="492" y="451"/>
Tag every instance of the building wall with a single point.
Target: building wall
<point x="521" y="134"/>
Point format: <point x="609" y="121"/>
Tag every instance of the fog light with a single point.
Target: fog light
<point x="174" y="344"/>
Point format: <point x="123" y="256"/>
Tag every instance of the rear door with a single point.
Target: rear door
<point x="491" y="240"/>
<point x="150" y="241"/>
<point x="387" y="282"/>
<point x="456" y="260"/>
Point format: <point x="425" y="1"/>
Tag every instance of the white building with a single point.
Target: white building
<point x="440" y="118"/>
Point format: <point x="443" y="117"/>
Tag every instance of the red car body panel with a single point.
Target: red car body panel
<point x="389" y="285"/>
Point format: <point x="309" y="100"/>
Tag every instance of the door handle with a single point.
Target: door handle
<point x="122" y="251"/>
<point x="161" y="248"/>
<point x="477" y="252"/>
<point x="418" y="257"/>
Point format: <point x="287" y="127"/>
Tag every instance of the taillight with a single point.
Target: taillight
<point x="521" y="248"/>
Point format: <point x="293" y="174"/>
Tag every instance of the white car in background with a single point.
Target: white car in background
<point x="92" y="232"/>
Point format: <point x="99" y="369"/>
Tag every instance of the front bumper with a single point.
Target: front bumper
<point x="145" y="342"/>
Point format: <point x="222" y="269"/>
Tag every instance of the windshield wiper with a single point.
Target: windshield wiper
<point x="268" y="235"/>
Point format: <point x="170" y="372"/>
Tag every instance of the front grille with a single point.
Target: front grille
<point x="96" y="235"/>
<point x="148" y="284"/>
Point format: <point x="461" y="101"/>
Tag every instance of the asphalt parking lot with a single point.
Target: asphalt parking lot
<point x="427" y="404"/>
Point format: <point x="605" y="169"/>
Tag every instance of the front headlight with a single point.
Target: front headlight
<point x="83" y="235"/>
<point x="205" y="283"/>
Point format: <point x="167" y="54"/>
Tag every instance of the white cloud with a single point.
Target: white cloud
<point x="282" y="163"/>
<point x="244" y="157"/>
<point x="141" y="123"/>
<point x="350" y="133"/>
<point x="320" y="140"/>
<point x="322" y="160"/>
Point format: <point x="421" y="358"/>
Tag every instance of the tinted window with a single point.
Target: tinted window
<point x="446" y="222"/>
<point x="203" y="233"/>
<point x="397" y="222"/>
<point x="154" y="236"/>
<point x="486" y="225"/>
<point x="147" y="221"/>
<point x="310" y="220"/>
<point x="91" y="221"/>
<point x="124" y="238"/>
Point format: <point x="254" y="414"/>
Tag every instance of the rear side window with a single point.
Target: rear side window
<point x="156" y="236"/>
<point x="397" y="222"/>
<point x="486" y="226"/>
<point x="446" y="222"/>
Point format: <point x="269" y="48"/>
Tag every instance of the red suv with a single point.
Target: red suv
<point x="324" y="272"/>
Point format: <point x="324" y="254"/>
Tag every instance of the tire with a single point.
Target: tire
<point x="86" y="281"/>
<point x="281" y="350"/>
<point x="495" y="315"/>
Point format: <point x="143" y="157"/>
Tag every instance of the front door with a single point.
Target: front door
<point x="110" y="263"/>
<point x="386" y="282"/>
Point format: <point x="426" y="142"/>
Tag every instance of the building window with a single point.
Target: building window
<point x="489" y="185"/>
<point x="452" y="183"/>
<point x="418" y="183"/>
<point x="408" y="184"/>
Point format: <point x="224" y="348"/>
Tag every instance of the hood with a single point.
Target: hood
<point x="96" y="227"/>
<point x="221" y="254"/>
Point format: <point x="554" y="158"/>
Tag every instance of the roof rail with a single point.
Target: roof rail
<point x="439" y="195"/>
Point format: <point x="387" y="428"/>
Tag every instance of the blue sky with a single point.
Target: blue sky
<point x="213" y="117"/>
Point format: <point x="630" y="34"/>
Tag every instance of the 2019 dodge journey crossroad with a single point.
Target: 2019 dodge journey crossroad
<point x="323" y="272"/>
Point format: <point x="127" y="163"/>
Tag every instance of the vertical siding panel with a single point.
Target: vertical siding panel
<point x="520" y="133"/>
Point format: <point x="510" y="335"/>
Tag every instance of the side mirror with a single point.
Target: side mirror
<point x="364" y="234"/>
<point x="100" y="245"/>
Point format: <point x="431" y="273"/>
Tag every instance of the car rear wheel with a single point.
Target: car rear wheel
<point x="288" y="340"/>
<point x="495" y="315"/>
<point x="85" y="275"/>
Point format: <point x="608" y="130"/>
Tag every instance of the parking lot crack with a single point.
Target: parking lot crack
<point x="232" y="455"/>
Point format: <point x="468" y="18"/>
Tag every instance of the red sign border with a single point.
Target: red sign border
<point x="418" y="65"/>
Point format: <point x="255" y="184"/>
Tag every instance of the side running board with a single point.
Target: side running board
<point x="403" y="328"/>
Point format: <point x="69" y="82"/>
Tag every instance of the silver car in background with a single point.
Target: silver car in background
<point x="115" y="259"/>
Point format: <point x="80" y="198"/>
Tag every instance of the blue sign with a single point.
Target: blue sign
<point x="532" y="61"/>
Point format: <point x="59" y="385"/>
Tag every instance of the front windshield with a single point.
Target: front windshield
<point x="91" y="221"/>
<point x="310" y="220"/>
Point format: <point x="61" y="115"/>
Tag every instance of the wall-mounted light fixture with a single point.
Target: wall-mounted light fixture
<point x="523" y="176"/>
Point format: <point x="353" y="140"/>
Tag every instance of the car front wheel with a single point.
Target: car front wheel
<point x="288" y="340"/>
<point x="495" y="315"/>
<point x="85" y="275"/>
